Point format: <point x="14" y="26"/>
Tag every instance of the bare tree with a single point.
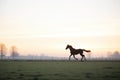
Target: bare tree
<point x="14" y="52"/>
<point x="2" y="50"/>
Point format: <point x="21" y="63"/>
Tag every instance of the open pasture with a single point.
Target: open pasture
<point x="59" y="70"/>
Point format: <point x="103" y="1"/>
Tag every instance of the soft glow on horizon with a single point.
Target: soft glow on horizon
<point x="47" y="26"/>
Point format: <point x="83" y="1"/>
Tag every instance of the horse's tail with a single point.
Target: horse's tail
<point x="86" y="50"/>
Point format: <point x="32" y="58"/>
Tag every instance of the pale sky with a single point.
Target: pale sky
<point x="47" y="26"/>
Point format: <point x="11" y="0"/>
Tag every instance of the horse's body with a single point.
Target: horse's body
<point x="74" y="52"/>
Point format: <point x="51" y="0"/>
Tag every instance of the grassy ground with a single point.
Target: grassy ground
<point x="59" y="70"/>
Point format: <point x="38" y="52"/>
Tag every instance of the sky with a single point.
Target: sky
<point x="46" y="26"/>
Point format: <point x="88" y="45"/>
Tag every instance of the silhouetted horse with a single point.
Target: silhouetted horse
<point x="74" y="52"/>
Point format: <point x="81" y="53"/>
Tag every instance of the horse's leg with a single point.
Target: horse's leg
<point x="75" y="57"/>
<point x="70" y="56"/>
<point x="85" y="58"/>
<point x="82" y="58"/>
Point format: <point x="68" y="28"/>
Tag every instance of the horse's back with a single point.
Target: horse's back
<point x="80" y="50"/>
<point x="77" y="51"/>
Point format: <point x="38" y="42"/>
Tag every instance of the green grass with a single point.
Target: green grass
<point x="59" y="70"/>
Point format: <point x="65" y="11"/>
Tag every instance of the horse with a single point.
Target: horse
<point x="74" y="52"/>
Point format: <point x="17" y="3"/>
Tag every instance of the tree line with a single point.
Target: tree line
<point x="3" y="51"/>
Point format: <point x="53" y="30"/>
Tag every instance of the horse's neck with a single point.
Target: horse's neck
<point x="72" y="49"/>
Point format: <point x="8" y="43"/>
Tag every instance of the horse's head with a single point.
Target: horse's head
<point x="68" y="46"/>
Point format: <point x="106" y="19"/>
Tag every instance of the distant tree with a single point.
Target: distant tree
<point x="14" y="52"/>
<point x="2" y="50"/>
<point x="115" y="55"/>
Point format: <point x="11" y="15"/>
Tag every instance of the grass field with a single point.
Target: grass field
<point x="59" y="70"/>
